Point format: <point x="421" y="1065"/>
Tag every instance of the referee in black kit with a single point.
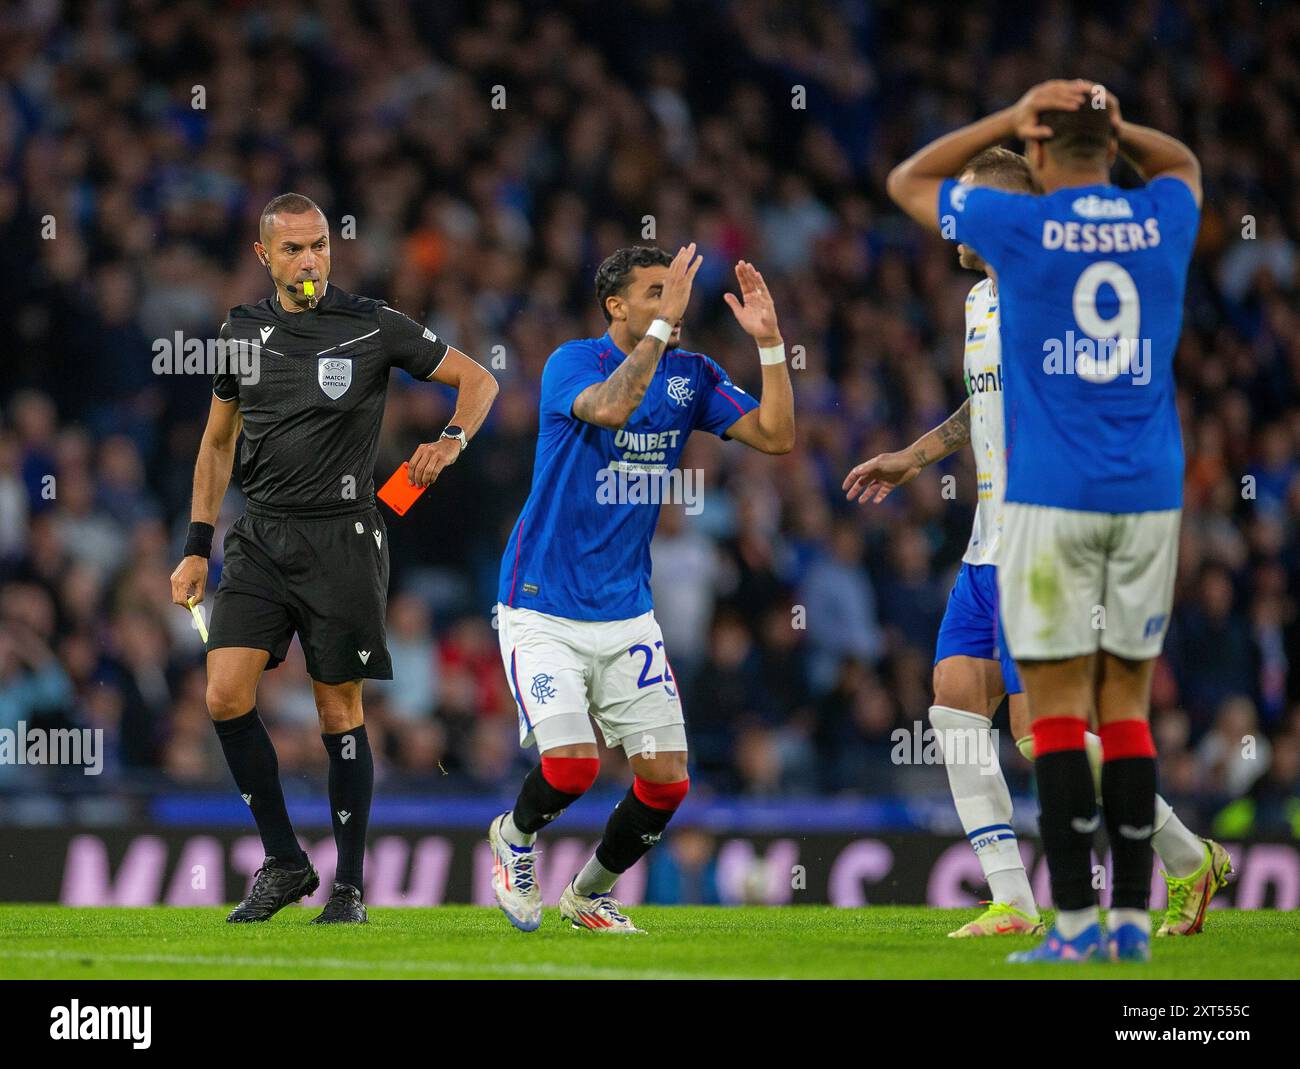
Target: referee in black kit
<point x="310" y="553"/>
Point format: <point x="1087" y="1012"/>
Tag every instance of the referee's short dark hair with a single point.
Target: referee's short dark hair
<point x="615" y="273"/>
<point x="286" y="204"/>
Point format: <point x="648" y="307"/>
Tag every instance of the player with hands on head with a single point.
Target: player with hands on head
<point x="1091" y="280"/>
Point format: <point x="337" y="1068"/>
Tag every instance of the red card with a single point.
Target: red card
<point x="398" y="493"/>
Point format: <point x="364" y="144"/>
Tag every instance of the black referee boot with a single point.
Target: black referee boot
<point x="273" y="889"/>
<point x="344" y="907"/>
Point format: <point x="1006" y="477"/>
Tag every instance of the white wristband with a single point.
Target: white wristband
<point x="773" y="354"/>
<point x="661" y="329"/>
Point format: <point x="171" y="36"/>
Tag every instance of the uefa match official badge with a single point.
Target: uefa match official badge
<point x="334" y="376"/>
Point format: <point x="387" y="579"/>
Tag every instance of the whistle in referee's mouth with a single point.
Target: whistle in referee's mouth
<point x="309" y="288"/>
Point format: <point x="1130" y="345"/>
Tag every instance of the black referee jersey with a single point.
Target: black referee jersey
<point x="312" y="415"/>
<point x="310" y="554"/>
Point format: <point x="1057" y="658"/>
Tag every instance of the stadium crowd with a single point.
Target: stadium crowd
<point x="476" y="162"/>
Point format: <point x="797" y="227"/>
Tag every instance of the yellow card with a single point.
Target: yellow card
<point x="199" y="622"/>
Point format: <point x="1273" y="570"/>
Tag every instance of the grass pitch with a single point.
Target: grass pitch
<point x="879" y="942"/>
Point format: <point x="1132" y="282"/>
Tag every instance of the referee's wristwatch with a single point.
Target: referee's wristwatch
<point x="452" y="431"/>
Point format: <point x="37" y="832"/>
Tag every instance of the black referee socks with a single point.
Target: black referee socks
<point x="352" y="784"/>
<point x="253" y="763"/>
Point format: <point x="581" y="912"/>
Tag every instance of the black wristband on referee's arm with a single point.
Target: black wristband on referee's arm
<point x="198" y="543"/>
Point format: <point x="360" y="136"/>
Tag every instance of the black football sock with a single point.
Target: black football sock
<point x="539" y="803"/>
<point x="1068" y="817"/>
<point x="1128" y="793"/>
<point x="351" y="786"/>
<point x="253" y="763"/>
<point x="632" y="829"/>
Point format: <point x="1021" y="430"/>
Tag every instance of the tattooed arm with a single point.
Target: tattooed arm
<point x="875" y="478"/>
<point x="945" y="439"/>
<point x="610" y="404"/>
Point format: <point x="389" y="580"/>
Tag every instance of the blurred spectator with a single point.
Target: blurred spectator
<point x="912" y="595"/>
<point x="1272" y="808"/>
<point x="32" y="682"/>
<point x="1210" y="646"/>
<point x="13" y="500"/>
<point x="854" y="722"/>
<point x="726" y="694"/>
<point x="487" y="224"/>
<point x="841" y="608"/>
<point x="686" y="873"/>
<point x="683" y="583"/>
<point x="1234" y="755"/>
<point x="414" y="691"/>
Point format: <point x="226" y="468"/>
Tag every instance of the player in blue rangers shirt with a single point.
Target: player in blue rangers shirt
<point x="1091" y="278"/>
<point x="972" y="666"/>
<point x="577" y="630"/>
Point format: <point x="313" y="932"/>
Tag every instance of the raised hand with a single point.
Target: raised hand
<point x="1112" y="108"/>
<point x="1057" y="95"/>
<point x="676" y="293"/>
<point x="757" y="314"/>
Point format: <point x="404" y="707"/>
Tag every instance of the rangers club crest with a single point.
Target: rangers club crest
<point x="542" y="689"/>
<point x="334" y="376"/>
<point x="679" y="390"/>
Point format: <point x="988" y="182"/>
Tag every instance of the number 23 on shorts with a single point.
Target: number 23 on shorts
<point x="645" y="679"/>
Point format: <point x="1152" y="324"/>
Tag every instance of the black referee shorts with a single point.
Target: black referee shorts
<point x="325" y="577"/>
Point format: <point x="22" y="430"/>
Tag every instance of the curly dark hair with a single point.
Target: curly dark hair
<point x="614" y="274"/>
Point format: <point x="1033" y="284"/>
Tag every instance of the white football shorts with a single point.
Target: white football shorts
<point x="617" y="671"/>
<point x="1071" y="583"/>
